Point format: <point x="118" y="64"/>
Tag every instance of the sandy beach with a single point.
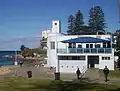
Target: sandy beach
<point x="7" y="69"/>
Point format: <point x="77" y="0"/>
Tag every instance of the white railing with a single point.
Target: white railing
<point x="84" y="50"/>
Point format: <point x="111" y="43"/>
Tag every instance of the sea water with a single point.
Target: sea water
<point x="4" y="61"/>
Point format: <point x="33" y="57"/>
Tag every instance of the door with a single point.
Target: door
<point x="92" y="61"/>
<point x="92" y="65"/>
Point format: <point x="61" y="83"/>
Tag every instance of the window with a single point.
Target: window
<point x="55" y="23"/>
<point x="71" y="57"/>
<point x="105" y="58"/>
<point x="102" y="58"/>
<point x="70" y="45"/>
<point x="97" y="45"/>
<point x="104" y="45"/>
<point x="74" y="58"/>
<point x="91" y="45"/>
<point x="81" y="57"/>
<point x="87" y="45"/>
<point x="52" y="45"/>
<point x="108" y="58"/>
<point x="79" y="46"/>
<point x="62" y="57"/>
<point x="108" y="45"/>
<point x="72" y="66"/>
<point x="74" y="45"/>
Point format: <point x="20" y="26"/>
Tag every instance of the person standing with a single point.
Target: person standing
<point x="78" y="73"/>
<point x="106" y="72"/>
<point x="21" y="63"/>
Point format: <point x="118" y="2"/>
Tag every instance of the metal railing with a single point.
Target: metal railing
<point x="85" y="50"/>
<point x="84" y="70"/>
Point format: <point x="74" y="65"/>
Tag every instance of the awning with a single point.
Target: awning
<point x="86" y="40"/>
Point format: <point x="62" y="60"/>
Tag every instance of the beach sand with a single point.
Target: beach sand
<point x="7" y="69"/>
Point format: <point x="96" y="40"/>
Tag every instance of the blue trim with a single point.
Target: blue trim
<point x="86" y="40"/>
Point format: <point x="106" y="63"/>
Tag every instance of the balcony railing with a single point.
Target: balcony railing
<point x="85" y="50"/>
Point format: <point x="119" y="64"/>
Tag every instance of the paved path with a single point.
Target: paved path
<point x="40" y="72"/>
<point x="91" y="75"/>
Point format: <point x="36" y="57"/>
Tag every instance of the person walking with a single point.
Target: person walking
<point x="78" y="73"/>
<point x="106" y="72"/>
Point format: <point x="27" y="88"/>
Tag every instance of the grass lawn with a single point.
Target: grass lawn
<point x="112" y="74"/>
<point x="24" y="84"/>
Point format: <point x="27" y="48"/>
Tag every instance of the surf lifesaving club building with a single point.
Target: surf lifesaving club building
<point x="68" y="52"/>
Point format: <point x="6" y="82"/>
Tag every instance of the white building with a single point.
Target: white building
<point x="44" y="33"/>
<point x="69" y="52"/>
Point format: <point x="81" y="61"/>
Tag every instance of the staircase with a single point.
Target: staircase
<point x="84" y="70"/>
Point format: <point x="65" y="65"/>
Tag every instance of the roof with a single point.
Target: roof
<point x="85" y="40"/>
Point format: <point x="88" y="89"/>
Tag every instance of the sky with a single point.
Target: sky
<point x="22" y="20"/>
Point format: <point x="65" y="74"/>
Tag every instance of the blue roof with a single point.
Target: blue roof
<point x="86" y="40"/>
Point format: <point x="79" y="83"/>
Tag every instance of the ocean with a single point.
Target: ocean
<point x="4" y="61"/>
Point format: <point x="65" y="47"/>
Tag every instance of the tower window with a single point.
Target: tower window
<point x="55" y="23"/>
<point x="52" y="45"/>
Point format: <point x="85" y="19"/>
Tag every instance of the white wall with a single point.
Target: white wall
<point x="52" y="57"/>
<point x="75" y="63"/>
<point x="108" y="63"/>
<point x="56" y="26"/>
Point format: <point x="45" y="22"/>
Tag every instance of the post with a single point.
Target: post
<point x="15" y="63"/>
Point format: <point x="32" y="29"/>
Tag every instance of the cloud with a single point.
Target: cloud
<point x="31" y="41"/>
<point x="21" y="38"/>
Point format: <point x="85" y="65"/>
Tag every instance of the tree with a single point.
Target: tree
<point x="78" y="22"/>
<point x="96" y="19"/>
<point x="71" y="20"/>
<point x="84" y="30"/>
<point x="22" y="48"/>
<point x="117" y="32"/>
<point x="27" y="53"/>
<point x="30" y="52"/>
<point x="118" y="49"/>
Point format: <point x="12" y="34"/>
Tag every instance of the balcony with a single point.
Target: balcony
<point x="85" y="50"/>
